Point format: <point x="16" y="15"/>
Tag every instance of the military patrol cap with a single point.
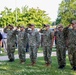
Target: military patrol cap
<point x="74" y="21"/>
<point x="22" y="27"/>
<point x="11" y="25"/>
<point x="47" y="25"/>
<point x="31" y="25"/>
<point x="60" y="26"/>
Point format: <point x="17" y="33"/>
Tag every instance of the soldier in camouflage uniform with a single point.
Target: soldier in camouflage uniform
<point x="71" y="37"/>
<point x="11" y="38"/>
<point x="60" y="46"/>
<point x="47" y="44"/>
<point x="22" y="41"/>
<point x="34" y="41"/>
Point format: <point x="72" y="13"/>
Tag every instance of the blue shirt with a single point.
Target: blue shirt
<point x="4" y="35"/>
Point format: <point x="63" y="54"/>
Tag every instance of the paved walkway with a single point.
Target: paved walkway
<point x="2" y="58"/>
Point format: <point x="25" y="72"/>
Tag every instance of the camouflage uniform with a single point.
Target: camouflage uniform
<point x="46" y="43"/>
<point x="72" y="46"/>
<point x="11" y="39"/>
<point x="70" y="35"/>
<point x="61" y="49"/>
<point x="34" y="41"/>
<point x="22" y="41"/>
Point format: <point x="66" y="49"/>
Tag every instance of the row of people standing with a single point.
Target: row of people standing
<point x="65" y="39"/>
<point x="62" y="38"/>
<point x="24" y="36"/>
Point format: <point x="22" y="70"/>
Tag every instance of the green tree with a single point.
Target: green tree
<point x="24" y="17"/>
<point x="7" y="17"/>
<point x="67" y="12"/>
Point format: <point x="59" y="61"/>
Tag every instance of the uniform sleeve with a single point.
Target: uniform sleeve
<point x="5" y="30"/>
<point x="41" y="31"/>
<point x="38" y="38"/>
<point x="65" y="32"/>
<point x="26" y="30"/>
<point x="25" y="38"/>
<point x="52" y="38"/>
<point x="55" y="37"/>
<point x="15" y="32"/>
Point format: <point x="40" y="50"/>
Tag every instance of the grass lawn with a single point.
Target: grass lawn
<point x="15" y="68"/>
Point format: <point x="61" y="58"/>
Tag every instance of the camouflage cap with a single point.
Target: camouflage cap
<point x="74" y="21"/>
<point x="60" y="26"/>
<point x="22" y="27"/>
<point x="47" y="25"/>
<point x="31" y="25"/>
<point x="11" y="25"/>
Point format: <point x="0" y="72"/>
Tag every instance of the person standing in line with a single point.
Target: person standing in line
<point x="11" y="39"/>
<point x="60" y="46"/>
<point x="70" y="37"/>
<point x="47" y="43"/>
<point x="34" y="42"/>
<point x="22" y="42"/>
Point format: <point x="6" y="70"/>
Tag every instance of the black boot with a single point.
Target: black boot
<point x="11" y="60"/>
<point x="61" y="67"/>
<point x="74" y="68"/>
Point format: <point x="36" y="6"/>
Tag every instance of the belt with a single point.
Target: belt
<point x="4" y="38"/>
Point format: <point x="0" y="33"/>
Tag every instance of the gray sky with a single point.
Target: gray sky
<point x="50" y="6"/>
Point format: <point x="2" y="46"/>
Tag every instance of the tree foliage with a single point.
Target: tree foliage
<point x="66" y="12"/>
<point x="24" y="16"/>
